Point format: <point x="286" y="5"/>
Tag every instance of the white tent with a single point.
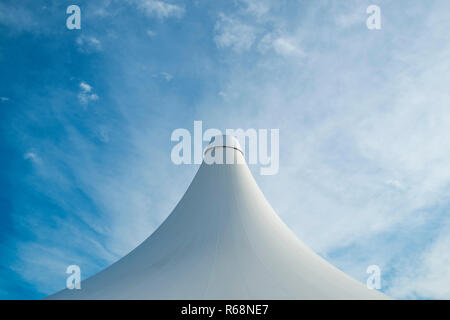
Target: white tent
<point x="222" y="241"/>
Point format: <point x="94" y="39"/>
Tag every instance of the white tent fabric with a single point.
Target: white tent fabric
<point x="222" y="241"/>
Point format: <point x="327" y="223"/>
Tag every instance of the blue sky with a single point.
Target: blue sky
<point x="87" y="115"/>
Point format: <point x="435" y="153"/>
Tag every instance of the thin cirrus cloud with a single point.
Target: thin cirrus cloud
<point x="431" y="276"/>
<point x="32" y="156"/>
<point x="230" y="32"/>
<point x="254" y="26"/>
<point x="284" y="46"/>
<point x="160" y="9"/>
<point x="258" y="8"/>
<point x="17" y="18"/>
<point x="88" y="44"/>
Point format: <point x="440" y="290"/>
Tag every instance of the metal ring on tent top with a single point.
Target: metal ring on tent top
<point x="213" y="147"/>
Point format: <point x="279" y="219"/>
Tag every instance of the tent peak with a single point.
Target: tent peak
<point x="224" y="141"/>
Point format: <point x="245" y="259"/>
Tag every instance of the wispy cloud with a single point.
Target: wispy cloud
<point x="151" y="33"/>
<point x="427" y="276"/>
<point x="257" y="8"/>
<point x="32" y="156"/>
<point x="284" y="46"/>
<point x="352" y="16"/>
<point x="163" y="75"/>
<point x="166" y="76"/>
<point x="88" y="44"/>
<point x="230" y="32"/>
<point x="160" y="9"/>
<point x="85" y="87"/>
<point x="86" y="95"/>
<point x="287" y="47"/>
<point x="18" y="17"/>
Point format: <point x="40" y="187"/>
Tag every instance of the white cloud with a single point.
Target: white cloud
<point x="428" y="276"/>
<point x="19" y="18"/>
<point x="93" y="97"/>
<point x="395" y="183"/>
<point x="230" y="32"/>
<point x="88" y="44"/>
<point x="86" y="98"/>
<point x="354" y="15"/>
<point x="151" y="33"/>
<point x="287" y="47"/>
<point x="86" y="95"/>
<point x="163" y="75"/>
<point x="103" y="134"/>
<point x="32" y="156"/>
<point x="257" y="8"/>
<point x="241" y="30"/>
<point x="85" y="87"/>
<point x="281" y="44"/>
<point x="160" y="9"/>
<point x="166" y="76"/>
